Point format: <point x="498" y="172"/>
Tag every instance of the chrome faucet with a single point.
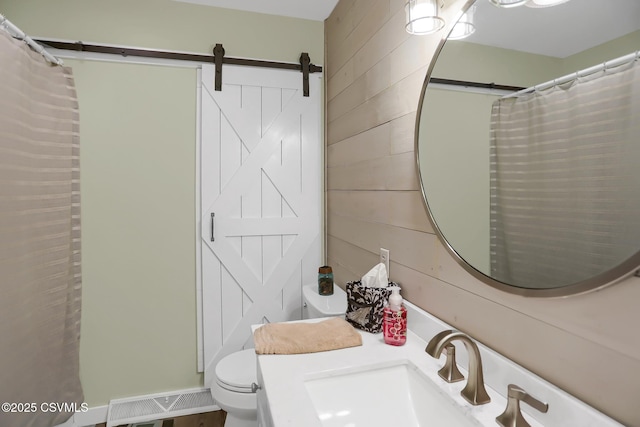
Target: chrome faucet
<point x="512" y="417"/>
<point x="474" y="391"/>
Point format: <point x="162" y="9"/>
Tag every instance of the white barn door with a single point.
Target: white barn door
<point x="260" y="171"/>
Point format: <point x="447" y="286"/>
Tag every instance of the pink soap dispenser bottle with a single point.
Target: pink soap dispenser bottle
<point x="394" y="321"/>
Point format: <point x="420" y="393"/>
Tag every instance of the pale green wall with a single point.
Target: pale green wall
<point x="601" y="53"/>
<point x="137" y="126"/>
<point x="137" y="183"/>
<point x="456" y="171"/>
<point x="474" y="62"/>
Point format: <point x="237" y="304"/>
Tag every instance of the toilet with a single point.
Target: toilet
<point x="235" y="373"/>
<point x="231" y="389"/>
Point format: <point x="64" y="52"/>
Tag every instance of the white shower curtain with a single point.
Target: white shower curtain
<point x="39" y="240"/>
<point x="565" y="180"/>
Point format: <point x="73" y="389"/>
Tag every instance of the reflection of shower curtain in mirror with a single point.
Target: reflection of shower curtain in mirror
<point x="39" y="239"/>
<point x="565" y="180"/>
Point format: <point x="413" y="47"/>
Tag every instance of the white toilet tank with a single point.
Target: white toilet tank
<point x="316" y="305"/>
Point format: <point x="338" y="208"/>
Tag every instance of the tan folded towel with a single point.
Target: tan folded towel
<point x="297" y="338"/>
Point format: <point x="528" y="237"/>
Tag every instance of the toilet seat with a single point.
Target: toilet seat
<point x="237" y="371"/>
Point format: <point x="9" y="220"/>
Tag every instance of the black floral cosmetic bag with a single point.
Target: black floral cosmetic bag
<point x="365" y="305"/>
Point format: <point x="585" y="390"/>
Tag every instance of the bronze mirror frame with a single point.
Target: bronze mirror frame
<point x="614" y="275"/>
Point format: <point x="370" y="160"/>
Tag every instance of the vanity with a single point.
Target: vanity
<point x="354" y="387"/>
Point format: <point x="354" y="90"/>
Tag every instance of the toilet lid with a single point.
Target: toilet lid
<point x="237" y="371"/>
<point x="330" y="305"/>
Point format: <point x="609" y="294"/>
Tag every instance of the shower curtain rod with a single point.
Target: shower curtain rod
<point x="577" y="74"/>
<point x="19" y="34"/>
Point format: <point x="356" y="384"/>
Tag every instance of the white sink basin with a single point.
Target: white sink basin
<point x="395" y="395"/>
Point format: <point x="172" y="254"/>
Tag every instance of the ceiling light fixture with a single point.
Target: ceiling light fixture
<point x="508" y="3"/>
<point x="465" y="25"/>
<point x="422" y="17"/>
<point x="544" y="3"/>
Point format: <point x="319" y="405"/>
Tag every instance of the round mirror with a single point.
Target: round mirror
<point x="528" y="145"/>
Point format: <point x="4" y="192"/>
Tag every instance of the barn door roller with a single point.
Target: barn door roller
<point x="305" y="66"/>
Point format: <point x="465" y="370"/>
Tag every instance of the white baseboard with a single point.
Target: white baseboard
<point x="93" y="416"/>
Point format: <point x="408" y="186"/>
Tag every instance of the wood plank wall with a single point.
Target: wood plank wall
<point x="587" y="344"/>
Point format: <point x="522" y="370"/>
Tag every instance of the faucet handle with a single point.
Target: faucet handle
<point x="512" y="416"/>
<point x="449" y="371"/>
<point x="519" y="393"/>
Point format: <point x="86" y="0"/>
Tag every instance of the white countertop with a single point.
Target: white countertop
<point x="283" y="378"/>
<point x="289" y="403"/>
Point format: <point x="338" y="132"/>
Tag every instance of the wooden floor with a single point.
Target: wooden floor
<point x="208" y="419"/>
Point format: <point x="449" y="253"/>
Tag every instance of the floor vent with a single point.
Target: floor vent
<point x="157" y="406"/>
